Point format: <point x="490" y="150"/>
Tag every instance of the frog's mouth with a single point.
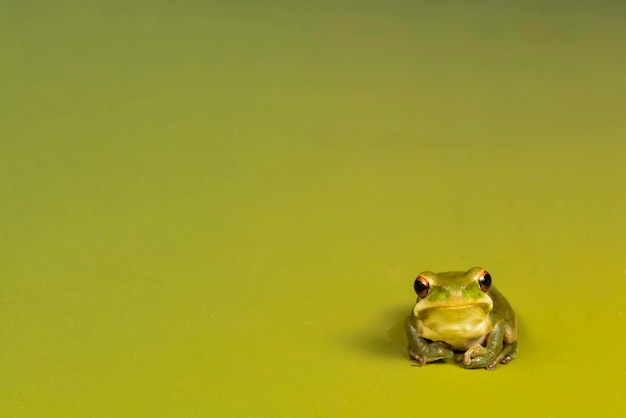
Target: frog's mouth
<point x="453" y="322"/>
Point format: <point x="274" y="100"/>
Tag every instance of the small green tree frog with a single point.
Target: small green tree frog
<point x="461" y="315"/>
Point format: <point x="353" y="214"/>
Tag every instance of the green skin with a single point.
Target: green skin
<point x="457" y="319"/>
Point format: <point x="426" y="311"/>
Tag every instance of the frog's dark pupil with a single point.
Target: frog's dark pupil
<point x="485" y="281"/>
<point x="420" y="287"/>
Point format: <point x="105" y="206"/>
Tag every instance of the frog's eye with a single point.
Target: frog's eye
<point x="484" y="280"/>
<point x="421" y="286"/>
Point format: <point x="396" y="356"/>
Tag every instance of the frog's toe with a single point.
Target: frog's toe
<point x="421" y="360"/>
<point x="418" y="358"/>
<point x="419" y="363"/>
<point x="475" y="354"/>
<point x="494" y="364"/>
<point x="507" y="354"/>
<point x="471" y="362"/>
<point x="499" y="360"/>
<point x="480" y="362"/>
<point x="478" y="357"/>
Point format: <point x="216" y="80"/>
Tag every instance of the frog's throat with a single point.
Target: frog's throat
<point x="455" y="325"/>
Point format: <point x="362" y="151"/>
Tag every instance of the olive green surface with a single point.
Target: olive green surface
<point x="218" y="209"/>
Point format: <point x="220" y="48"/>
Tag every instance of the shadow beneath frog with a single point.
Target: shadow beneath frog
<point x="384" y="336"/>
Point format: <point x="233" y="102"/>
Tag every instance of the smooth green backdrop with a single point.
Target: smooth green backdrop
<point x="217" y="208"/>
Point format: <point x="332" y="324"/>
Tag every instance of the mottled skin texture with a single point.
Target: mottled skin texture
<point x="458" y="316"/>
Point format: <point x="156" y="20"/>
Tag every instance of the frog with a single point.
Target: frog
<point x="460" y="315"/>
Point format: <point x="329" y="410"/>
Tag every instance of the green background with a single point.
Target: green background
<point x="218" y="208"/>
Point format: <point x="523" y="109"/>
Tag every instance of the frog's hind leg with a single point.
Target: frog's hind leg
<point x="508" y="353"/>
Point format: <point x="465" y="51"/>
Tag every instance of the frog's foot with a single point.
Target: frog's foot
<point x="437" y="350"/>
<point x="474" y="352"/>
<point x="508" y="353"/>
<point x="477" y="356"/>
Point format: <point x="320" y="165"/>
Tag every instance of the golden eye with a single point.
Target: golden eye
<point x="484" y="280"/>
<point x="421" y="286"/>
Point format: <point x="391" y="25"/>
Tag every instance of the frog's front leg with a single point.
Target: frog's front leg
<point x="422" y="350"/>
<point x="493" y="353"/>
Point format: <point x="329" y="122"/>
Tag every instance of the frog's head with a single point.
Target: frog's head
<point x="454" y="304"/>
